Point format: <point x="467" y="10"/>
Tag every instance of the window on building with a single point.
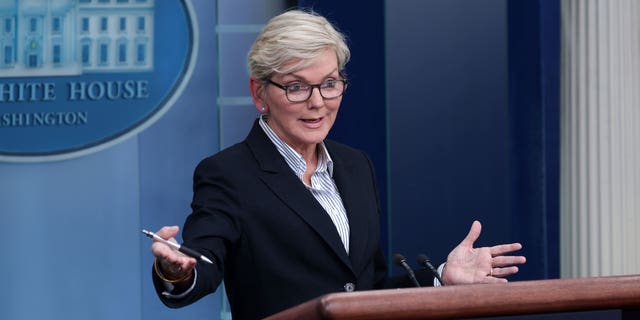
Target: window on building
<point x="123" y="1"/>
<point x="32" y="59"/>
<point x="8" y="25"/>
<point x="103" y="1"/>
<point x="104" y="24"/>
<point x="85" y="24"/>
<point x="141" y="53"/>
<point x="86" y="54"/>
<point x="55" y="25"/>
<point x="104" y="54"/>
<point x="122" y="53"/>
<point x="33" y="25"/>
<point x="141" y="23"/>
<point x="8" y="55"/>
<point x="123" y="24"/>
<point x="57" y="54"/>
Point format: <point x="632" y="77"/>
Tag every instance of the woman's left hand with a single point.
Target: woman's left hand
<point x="467" y="265"/>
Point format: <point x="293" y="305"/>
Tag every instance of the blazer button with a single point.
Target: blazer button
<point x="348" y="287"/>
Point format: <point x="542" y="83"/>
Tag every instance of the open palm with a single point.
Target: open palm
<point x="467" y="265"/>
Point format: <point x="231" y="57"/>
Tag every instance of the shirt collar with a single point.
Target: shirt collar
<point x="292" y="157"/>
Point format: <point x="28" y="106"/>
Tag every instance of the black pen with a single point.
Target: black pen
<point x="181" y="248"/>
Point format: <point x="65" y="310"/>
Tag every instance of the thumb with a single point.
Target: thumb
<point x="473" y="235"/>
<point x="168" y="232"/>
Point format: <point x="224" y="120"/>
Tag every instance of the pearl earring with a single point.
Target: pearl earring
<point x="263" y="108"/>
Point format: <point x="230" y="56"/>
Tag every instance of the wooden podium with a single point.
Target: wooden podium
<point x="483" y="300"/>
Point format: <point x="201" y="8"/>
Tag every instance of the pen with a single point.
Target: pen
<point x="181" y="248"/>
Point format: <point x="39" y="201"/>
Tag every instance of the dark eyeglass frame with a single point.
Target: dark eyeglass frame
<point x="312" y="86"/>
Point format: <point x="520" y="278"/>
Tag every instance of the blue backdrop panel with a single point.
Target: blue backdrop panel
<point x="473" y="110"/>
<point x="169" y="152"/>
<point x="448" y="124"/>
<point x="71" y="240"/>
<point x="534" y="119"/>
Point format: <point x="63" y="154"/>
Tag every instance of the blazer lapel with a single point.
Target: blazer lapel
<point x="277" y="175"/>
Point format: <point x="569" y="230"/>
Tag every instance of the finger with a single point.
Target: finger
<point x="184" y="263"/>
<point x="176" y="258"/>
<point x="188" y="263"/>
<point x="168" y="232"/>
<point x="502" y="249"/>
<point x="472" y="236"/>
<point x="503" y="261"/>
<point x="488" y="279"/>
<point x="504" y="272"/>
<point x="171" y="267"/>
<point x="181" y="265"/>
<point x="163" y="251"/>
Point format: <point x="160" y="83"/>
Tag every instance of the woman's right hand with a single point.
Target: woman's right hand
<point x="173" y="264"/>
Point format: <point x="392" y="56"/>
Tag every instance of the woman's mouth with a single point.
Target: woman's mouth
<point x="314" y="120"/>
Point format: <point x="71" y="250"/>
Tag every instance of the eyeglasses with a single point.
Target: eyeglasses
<point x="300" y="92"/>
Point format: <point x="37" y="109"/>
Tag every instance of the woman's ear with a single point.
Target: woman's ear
<point x="257" y="88"/>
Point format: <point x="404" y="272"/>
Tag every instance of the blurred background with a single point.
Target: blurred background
<point x="518" y="113"/>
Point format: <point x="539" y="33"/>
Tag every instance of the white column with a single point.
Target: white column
<point x="600" y="138"/>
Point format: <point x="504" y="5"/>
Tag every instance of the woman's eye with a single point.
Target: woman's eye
<point x="297" y="87"/>
<point x="329" y="84"/>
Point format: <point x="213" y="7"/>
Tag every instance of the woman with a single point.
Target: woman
<point x="286" y="215"/>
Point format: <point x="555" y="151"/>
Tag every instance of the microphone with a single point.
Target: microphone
<point x="424" y="261"/>
<point x="399" y="260"/>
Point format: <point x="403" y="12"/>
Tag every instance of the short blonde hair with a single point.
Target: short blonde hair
<point x="295" y="36"/>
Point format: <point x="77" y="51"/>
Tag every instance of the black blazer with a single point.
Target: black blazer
<point x="272" y="242"/>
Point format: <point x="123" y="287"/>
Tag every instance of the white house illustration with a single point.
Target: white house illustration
<point x="73" y="37"/>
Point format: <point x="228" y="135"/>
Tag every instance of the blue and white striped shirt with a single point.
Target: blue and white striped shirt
<point x="322" y="187"/>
